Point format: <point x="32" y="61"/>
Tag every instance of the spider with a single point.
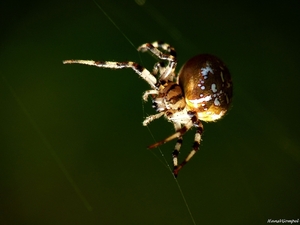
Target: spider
<point x="201" y="91"/>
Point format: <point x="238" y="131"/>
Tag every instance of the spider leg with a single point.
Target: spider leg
<point x="159" y="44"/>
<point x="158" y="68"/>
<point x="196" y="145"/>
<point x="177" y="147"/>
<point x="143" y="72"/>
<point x="177" y="134"/>
<point x="171" y="57"/>
<point x="149" y="92"/>
<point x="149" y="119"/>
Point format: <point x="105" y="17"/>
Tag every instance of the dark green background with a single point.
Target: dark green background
<point x="90" y="120"/>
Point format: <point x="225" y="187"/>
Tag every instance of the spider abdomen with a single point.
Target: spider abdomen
<point x="207" y="86"/>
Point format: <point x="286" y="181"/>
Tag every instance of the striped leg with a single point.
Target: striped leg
<point x="171" y="57"/>
<point x="178" y="144"/>
<point x="175" y="154"/>
<point x="143" y="72"/>
<point x="149" y="92"/>
<point x="158" y="67"/>
<point x="180" y="131"/>
<point x="177" y="134"/>
<point x="149" y="119"/>
<point x="197" y="123"/>
<point x="192" y="152"/>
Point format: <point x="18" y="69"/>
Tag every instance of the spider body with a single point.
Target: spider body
<point x="202" y="90"/>
<point x="207" y="86"/>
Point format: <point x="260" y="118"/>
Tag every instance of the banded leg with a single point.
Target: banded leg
<point x="149" y="119"/>
<point x="165" y="47"/>
<point x="197" y="123"/>
<point x="177" y="147"/>
<point x="143" y="72"/>
<point x="171" y="57"/>
<point x="175" y="154"/>
<point x="177" y="134"/>
<point x="196" y="145"/>
<point x="149" y="92"/>
<point x="158" y="68"/>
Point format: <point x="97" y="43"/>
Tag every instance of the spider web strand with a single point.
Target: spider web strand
<point x="167" y="165"/>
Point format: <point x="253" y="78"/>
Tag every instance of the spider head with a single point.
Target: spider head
<point x="170" y="98"/>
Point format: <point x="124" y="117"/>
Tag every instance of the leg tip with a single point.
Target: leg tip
<point x="175" y="172"/>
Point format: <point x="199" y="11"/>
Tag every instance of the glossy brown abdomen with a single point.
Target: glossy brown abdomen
<point x="207" y="86"/>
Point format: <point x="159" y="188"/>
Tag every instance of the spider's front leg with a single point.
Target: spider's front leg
<point x="140" y="70"/>
<point x="153" y="47"/>
<point x="149" y="92"/>
<point x="170" y="57"/>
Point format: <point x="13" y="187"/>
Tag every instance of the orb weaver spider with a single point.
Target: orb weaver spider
<point x="201" y="91"/>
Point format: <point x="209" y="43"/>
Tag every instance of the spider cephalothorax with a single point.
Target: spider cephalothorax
<point x="201" y="91"/>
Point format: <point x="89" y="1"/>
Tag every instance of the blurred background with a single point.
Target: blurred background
<point x="72" y="145"/>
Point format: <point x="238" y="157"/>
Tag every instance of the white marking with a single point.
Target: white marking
<point x="214" y="88"/>
<point x="175" y="161"/>
<point x="217" y="102"/>
<point x="209" y="116"/>
<point x="202" y="87"/>
<point x="197" y="101"/>
<point x="221" y="74"/>
<point x="204" y="71"/>
<point x="216" y="116"/>
<point x="227" y="99"/>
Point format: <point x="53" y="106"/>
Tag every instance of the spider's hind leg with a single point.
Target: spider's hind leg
<point x="180" y="131"/>
<point x="197" y="123"/>
<point x="177" y="147"/>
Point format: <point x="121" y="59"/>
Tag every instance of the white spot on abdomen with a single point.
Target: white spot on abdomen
<point x="204" y="71"/>
<point x="195" y="102"/>
<point x="217" y="102"/>
<point x="214" y="88"/>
